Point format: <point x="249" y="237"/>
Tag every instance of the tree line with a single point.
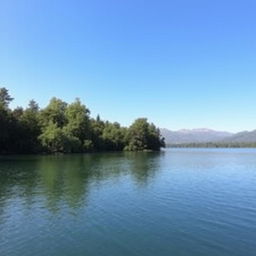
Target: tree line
<point x="69" y="128"/>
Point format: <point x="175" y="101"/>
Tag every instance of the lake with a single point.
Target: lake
<point x="181" y="202"/>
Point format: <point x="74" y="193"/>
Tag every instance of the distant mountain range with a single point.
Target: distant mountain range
<point x="203" y="135"/>
<point x="242" y="137"/>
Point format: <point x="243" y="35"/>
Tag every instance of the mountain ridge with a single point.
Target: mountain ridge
<point x="206" y="135"/>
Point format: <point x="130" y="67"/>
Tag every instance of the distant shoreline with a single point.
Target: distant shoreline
<point x="213" y="145"/>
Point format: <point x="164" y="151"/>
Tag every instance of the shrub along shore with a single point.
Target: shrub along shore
<point x="68" y="128"/>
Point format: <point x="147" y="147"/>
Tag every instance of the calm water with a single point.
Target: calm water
<point x="177" y="202"/>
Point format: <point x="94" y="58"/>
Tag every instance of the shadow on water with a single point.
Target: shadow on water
<point x="67" y="179"/>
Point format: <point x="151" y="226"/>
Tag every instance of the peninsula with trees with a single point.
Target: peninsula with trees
<point x="68" y="128"/>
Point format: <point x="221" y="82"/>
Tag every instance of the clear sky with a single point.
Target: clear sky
<point x="182" y="64"/>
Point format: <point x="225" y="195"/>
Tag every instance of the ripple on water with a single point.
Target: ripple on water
<point x="179" y="202"/>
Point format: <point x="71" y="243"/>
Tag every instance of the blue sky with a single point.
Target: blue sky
<point x="182" y="64"/>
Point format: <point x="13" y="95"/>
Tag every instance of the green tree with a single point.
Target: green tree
<point x="8" y="124"/>
<point x="78" y="122"/>
<point x="18" y="112"/>
<point x="30" y="123"/>
<point x="54" y="139"/>
<point x="5" y="98"/>
<point x="114" y="137"/>
<point x="54" y="113"/>
<point x="143" y="136"/>
<point x="97" y="126"/>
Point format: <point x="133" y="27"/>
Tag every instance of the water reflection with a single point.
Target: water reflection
<point x="58" y="181"/>
<point x="178" y="202"/>
<point x="143" y="166"/>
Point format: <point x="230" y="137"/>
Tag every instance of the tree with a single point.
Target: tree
<point x="97" y="127"/>
<point x="143" y="136"/>
<point x="30" y="123"/>
<point x="7" y="123"/>
<point x="114" y="137"/>
<point x="18" y="112"/>
<point x="5" y="98"/>
<point x="78" y="123"/>
<point x="54" y="113"/>
<point x="52" y="119"/>
<point x="66" y="128"/>
<point x="33" y="106"/>
<point x="54" y="139"/>
<point x="154" y="141"/>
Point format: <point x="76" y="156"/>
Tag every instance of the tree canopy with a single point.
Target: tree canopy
<point x="69" y="128"/>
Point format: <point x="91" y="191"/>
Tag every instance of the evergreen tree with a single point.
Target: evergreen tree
<point x="5" y="98"/>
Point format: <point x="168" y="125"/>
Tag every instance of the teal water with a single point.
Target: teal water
<point x="181" y="202"/>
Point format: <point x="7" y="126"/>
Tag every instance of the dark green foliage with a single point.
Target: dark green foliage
<point x="88" y="146"/>
<point x="143" y="136"/>
<point x="68" y="128"/>
<point x="78" y="121"/>
<point x="56" y="139"/>
<point x="8" y="126"/>
<point x="10" y="131"/>
<point x="54" y="113"/>
<point x="114" y="137"/>
<point x="97" y="131"/>
<point x="29" y="121"/>
<point x="5" y="98"/>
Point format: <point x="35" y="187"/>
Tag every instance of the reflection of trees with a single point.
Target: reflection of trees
<point x="143" y="165"/>
<point x="18" y="179"/>
<point x="65" y="181"/>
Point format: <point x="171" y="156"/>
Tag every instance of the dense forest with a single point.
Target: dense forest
<point x="68" y="128"/>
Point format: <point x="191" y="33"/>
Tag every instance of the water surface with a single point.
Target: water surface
<point x="181" y="202"/>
